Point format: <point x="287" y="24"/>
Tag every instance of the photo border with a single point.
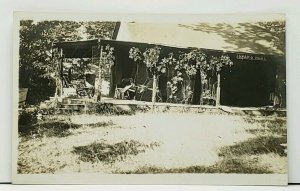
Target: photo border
<point x="100" y="178"/>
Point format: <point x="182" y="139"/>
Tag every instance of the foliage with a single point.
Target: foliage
<point x="187" y="65"/>
<point x="216" y="63"/>
<point x="28" y="116"/>
<point x="151" y="58"/>
<point x="99" y="29"/>
<point x="191" y="62"/>
<point x="135" y="54"/>
<point x="36" y="42"/>
<point x="36" y="64"/>
<point x="107" y="57"/>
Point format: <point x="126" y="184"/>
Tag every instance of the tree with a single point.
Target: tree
<point x="37" y="68"/>
<point x="98" y="29"/>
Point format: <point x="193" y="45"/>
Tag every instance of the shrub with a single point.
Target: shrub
<point x="27" y="116"/>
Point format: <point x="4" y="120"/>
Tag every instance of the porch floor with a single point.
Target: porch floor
<point x="265" y="110"/>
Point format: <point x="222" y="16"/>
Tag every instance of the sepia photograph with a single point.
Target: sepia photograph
<point x="150" y="98"/>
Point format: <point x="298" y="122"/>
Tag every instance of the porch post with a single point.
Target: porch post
<point x="56" y="71"/>
<point x="61" y="72"/>
<point x="218" y="91"/>
<point x="100" y="75"/>
<point x="154" y="89"/>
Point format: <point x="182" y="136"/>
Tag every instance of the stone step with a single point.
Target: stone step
<point x="73" y="106"/>
<point x="73" y="101"/>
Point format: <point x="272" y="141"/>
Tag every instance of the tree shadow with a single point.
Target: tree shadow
<point x="259" y="37"/>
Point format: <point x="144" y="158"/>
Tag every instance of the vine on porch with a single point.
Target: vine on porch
<point x="185" y="66"/>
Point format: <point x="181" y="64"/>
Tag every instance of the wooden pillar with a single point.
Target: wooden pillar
<point x="154" y="86"/>
<point x="61" y="72"/>
<point x="218" y="91"/>
<point x="100" y="75"/>
<point x="54" y="59"/>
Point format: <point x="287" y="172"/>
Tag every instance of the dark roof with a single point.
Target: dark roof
<point x="83" y="49"/>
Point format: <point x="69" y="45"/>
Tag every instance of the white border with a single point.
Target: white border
<point x="96" y="178"/>
<point x="290" y="7"/>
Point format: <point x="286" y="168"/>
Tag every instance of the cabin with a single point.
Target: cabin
<point x="254" y="79"/>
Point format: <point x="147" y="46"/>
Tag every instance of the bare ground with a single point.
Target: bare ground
<point x="157" y="143"/>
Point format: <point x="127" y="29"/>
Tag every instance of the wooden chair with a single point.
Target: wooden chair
<point x="123" y="92"/>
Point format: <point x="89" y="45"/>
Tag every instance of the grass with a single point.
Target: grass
<point x="24" y="168"/>
<point x="224" y="143"/>
<point x="255" y="146"/>
<point x="269" y="135"/>
<point x="54" y="128"/>
<point x="267" y="126"/>
<point x="100" y="124"/>
<point x="230" y="165"/>
<point x="47" y="129"/>
<point x="109" y="153"/>
<point x="234" y="159"/>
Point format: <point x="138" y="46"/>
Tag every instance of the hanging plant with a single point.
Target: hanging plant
<point x="107" y="59"/>
<point x="151" y="59"/>
<point x="135" y="54"/>
<point x="216" y="63"/>
<point x="166" y="62"/>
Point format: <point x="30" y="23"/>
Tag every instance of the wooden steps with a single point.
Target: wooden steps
<point x="72" y="104"/>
